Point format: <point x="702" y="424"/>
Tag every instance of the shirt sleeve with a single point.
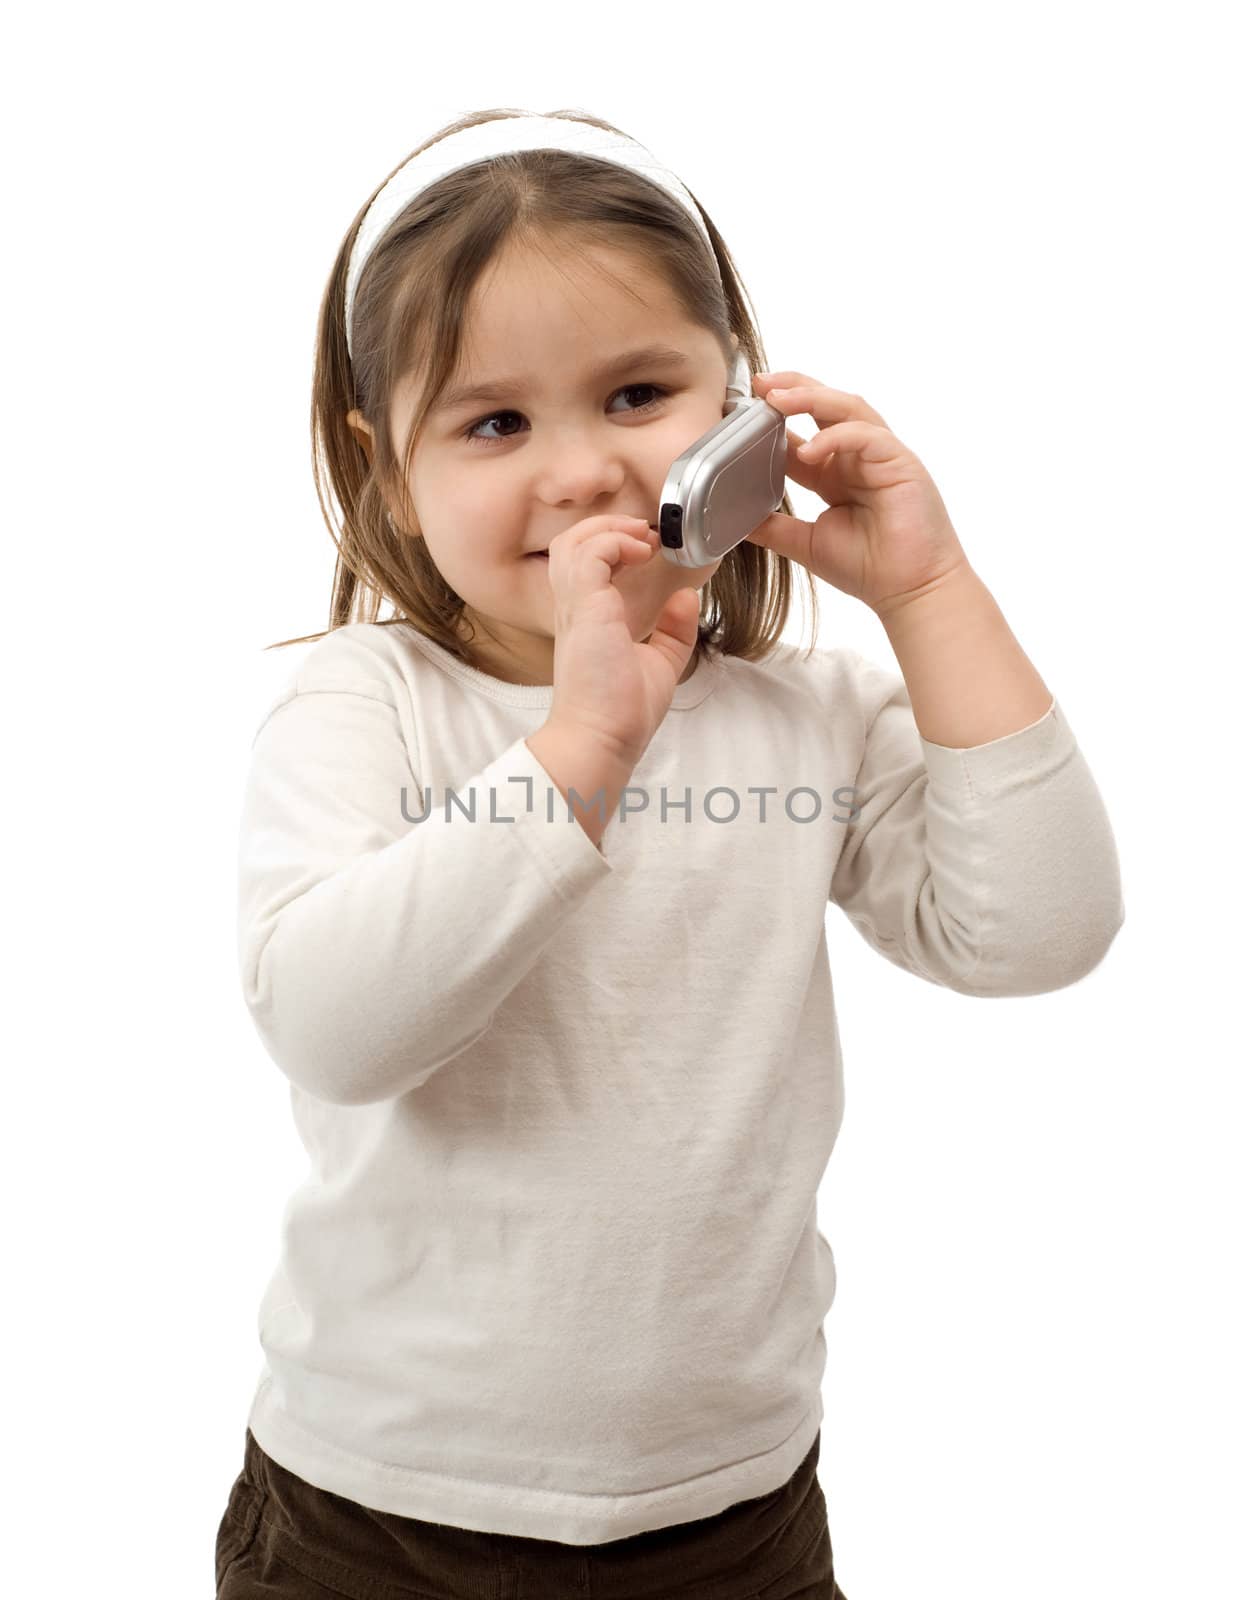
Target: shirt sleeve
<point x="373" y="949"/>
<point x="991" y="870"/>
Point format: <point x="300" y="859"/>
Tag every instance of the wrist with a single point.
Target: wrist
<point x="606" y="751"/>
<point x="959" y="580"/>
<point x="589" y="776"/>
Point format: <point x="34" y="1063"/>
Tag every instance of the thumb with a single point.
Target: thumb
<point x="787" y="536"/>
<point x="675" y="631"/>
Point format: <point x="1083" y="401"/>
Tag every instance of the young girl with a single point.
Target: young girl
<point x="533" y="876"/>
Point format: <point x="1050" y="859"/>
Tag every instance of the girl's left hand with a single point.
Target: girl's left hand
<point x="886" y="535"/>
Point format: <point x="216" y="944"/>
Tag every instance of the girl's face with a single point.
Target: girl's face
<point x="576" y="428"/>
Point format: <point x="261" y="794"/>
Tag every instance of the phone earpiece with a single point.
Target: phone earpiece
<point x="739" y="381"/>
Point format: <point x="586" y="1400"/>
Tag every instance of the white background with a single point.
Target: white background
<point x="1020" y="233"/>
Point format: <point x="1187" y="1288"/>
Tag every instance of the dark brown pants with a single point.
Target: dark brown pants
<point x="283" y="1539"/>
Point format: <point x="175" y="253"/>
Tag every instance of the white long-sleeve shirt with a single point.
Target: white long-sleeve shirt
<point x="555" y="1270"/>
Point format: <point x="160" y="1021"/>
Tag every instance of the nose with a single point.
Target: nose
<point x="581" y="471"/>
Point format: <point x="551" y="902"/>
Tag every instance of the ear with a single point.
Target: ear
<point x="362" y="432"/>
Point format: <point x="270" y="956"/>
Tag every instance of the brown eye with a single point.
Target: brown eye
<point x="471" y="433"/>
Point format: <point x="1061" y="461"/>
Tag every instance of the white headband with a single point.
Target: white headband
<point x="494" y="138"/>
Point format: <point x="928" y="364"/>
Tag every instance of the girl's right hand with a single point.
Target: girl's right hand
<point x="606" y="686"/>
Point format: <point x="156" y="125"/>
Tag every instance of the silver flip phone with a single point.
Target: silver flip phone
<point x="727" y="482"/>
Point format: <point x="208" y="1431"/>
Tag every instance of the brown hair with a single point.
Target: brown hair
<point x="411" y="296"/>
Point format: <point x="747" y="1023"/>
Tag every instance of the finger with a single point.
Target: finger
<point x="853" y="437"/>
<point x="611" y="550"/>
<point x="798" y="467"/>
<point x="792" y="537"/>
<point x="805" y="466"/>
<point x="675" y="631"/>
<point x="821" y="401"/>
<point x="613" y="523"/>
<point x="762" y="381"/>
